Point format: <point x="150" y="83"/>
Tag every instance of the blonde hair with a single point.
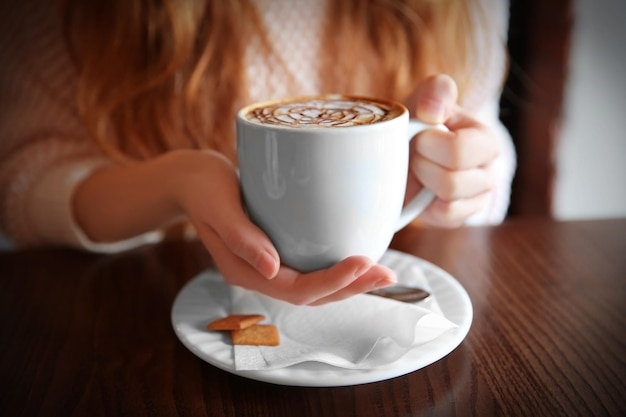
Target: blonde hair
<point x="157" y="75"/>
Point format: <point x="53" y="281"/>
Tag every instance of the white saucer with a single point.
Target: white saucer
<point x="207" y="295"/>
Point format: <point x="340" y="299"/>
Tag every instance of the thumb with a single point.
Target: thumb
<point x="212" y="200"/>
<point x="248" y="242"/>
<point x="436" y="98"/>
<point x="240" y="235"/>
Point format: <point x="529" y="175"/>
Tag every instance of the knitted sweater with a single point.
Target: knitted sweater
<point x="45" y="150"/>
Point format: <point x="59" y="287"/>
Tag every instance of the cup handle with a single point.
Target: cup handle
<point x="425" y="196"/>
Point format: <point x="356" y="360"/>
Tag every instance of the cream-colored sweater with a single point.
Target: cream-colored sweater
<point x="44" y="148"/>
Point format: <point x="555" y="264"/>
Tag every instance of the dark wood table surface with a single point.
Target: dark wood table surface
<point x="90" y="335"/>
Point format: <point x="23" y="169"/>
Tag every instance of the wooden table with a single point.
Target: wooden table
<point x="90" y="335"/>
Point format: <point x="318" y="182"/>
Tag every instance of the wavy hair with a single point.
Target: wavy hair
<point x="157" y="75"/>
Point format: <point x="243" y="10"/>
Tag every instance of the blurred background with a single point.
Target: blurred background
<point x="591" y="151"/>
<point x="565" y="104"/>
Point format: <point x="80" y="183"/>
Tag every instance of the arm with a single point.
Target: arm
<point x="119" y="202"/>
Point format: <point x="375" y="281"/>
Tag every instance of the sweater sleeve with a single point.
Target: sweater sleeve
<point x="44" y="148"/>
<point x="483" y="102"/>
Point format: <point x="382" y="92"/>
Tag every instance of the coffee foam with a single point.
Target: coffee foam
<point x="328" y="111"/>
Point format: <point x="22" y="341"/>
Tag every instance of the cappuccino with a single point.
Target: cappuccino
<point x="323" y="111"/>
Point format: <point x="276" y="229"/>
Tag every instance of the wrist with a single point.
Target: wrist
<point x="120" y="202"/>
<point x="191" y="177"/>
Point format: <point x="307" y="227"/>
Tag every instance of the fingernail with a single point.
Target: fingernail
<point x="435" y="110"/>
<point x="387" y="281"/>
<point x="362" y="270"/>
<point x="266" y="264"/>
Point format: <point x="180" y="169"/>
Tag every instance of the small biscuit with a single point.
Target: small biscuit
<point x="257" y="335"/>
<point x="235" y="322"/>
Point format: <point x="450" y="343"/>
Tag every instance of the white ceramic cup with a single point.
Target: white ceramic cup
<point x="325" y="193"/>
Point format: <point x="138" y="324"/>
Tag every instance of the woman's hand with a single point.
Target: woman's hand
<point x="456" y="165"/>
<point x="121" y="202"/>
<point x="208" y="192"/>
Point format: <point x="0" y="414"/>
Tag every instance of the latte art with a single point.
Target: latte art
<point x="321" y="112"/>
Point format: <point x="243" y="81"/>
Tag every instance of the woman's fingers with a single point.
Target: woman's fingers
<point x="460" y="193"/>
<point x="456" y="165"/>
<point x="233" y="267"/>
<point x="468" y="144"/>
<point x="242" y="237"/>
<point x="249" y="243"/>
<point x="211" y="198"/>
<point x="351" y="276"/>
<point x="335" y="283"/>
<point x="453" y="184"/>
<point x="451" y="214"/>
<point x="376" y="277"/>
<point x="435" y="99"/>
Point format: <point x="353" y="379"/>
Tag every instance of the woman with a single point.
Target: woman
<point x="117" y="117"/>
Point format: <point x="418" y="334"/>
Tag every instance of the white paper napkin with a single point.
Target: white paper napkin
<point x="362" y="332"/>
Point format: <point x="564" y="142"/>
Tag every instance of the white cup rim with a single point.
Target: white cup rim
<point x="241" y="114"/>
